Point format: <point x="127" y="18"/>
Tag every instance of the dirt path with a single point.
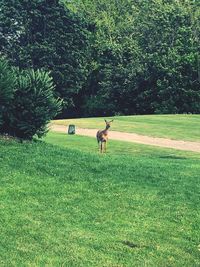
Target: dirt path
<point x="135" y="138"/>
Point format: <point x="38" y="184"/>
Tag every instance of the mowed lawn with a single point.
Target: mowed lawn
<point x="180" y="127"/>
<point x="64" y="204"/>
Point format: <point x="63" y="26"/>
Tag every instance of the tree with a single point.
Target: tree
<point x="165" y="35"/>
<point x="146" y="56"/>
<point x="45" y="34"/>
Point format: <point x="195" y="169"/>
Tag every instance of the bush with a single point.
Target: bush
<point x="7" y="86"/>
<point x="33" y="106"/>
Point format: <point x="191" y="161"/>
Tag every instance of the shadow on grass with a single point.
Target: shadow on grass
<point x="172" y="157"/>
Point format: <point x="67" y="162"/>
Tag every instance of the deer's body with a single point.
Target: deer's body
<point x="102" y="137"/>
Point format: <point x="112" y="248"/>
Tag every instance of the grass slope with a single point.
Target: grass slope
<point x="66" y="207"/>
<point x="180" y="127"/>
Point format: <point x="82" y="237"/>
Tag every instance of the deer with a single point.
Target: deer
<point x="102" y="137"/>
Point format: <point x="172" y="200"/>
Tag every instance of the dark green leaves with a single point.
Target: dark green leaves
<point x="7" y="86"/>
<point x="45" y="34"/>
<point x="27" y="101"/>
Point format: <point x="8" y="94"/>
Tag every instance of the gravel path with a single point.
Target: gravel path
<point x="135" y="138"/>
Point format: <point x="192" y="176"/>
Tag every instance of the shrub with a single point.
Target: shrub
<point x="7" y="86"/>
<point x="33" y="106"/>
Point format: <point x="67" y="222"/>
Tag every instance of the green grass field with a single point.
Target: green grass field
<point x="67" y="205"/>
<point x="180" y="127"/>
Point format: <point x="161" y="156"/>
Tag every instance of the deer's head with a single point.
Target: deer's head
<point x="108" y="123"/>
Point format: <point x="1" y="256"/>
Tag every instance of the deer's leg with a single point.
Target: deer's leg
<point x="101" y="147"/>
<point x="105" y="146"/>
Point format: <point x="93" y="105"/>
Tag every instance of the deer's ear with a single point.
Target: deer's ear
<point x="105" y="121"/>
<point x="111" y="120"/>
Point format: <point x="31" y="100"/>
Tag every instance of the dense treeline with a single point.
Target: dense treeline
<point x="109" y="57"/>
<point x="145" y="56"/>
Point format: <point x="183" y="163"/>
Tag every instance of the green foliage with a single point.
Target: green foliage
<point x="7" y="87"/>
<point x="109" y="57"/>
<point x="146" y="56"/>
<point x="33" y="106"/>
<point x="170" y="54"/>
<point x="45" y="34"/>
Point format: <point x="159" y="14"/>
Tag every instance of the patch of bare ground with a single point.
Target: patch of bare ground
<point x="135" y="138"/>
